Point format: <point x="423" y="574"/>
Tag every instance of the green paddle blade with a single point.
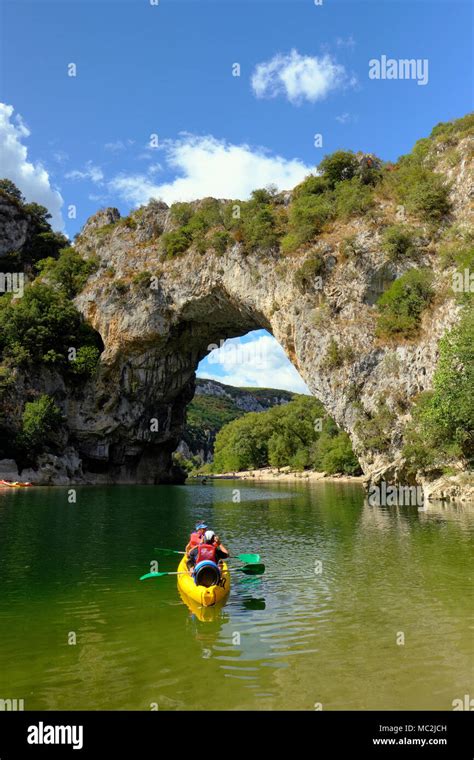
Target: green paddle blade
<point x="153" y="575"/>
<point x="253" y="569"/>
<point x="250" y="558"/>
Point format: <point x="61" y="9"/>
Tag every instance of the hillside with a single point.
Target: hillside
<point x="213" y="406"/>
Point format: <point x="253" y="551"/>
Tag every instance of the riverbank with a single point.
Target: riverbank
<point x="285" y="474"/>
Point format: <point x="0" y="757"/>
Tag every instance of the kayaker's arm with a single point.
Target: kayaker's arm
<point x="221" y="546"/>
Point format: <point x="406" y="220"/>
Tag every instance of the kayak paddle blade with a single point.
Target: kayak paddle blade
<point x="253" y="569"/>
<point x="152" y="575"/>
<point x="249" y="558"/>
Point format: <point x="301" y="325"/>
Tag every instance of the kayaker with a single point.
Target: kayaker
<point x="210" y="549"/>
<point x="196" y="537"/>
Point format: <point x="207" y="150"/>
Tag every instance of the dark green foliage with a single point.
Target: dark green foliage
<point x="353" y="197"/>
<point x="333" y="453"/>
<point x="443" y="420"/>
<point x="175" y="243"/>
<point x="9" y="187"/>
<point x="181" y="213"/>
<point x="399" y="242"/>
<point x="307" y="216"/>
<point x="401" y="306"/>
<point x="194" y="228"/>
<point x="69" y="271"/>
<point x="41" y="327"/>
<point x="422" y="191"/>
<point x="338" y="166"/>
<point x="283" y="436"/>
<point x="258" y="225"/>
<point x="85" y="363"/>
<point x="312" y="185"/>
<point x="40" y="216"/>
<point x="41" y="421"/>
<point x="220" y="240"/>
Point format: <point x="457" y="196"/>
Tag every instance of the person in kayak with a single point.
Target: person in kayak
<point x="196" y="537"/>
<point x="204" y="559"/>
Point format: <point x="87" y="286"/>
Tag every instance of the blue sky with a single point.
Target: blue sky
<point x="166" y="70"/>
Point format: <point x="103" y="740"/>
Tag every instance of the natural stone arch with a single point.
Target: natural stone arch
<point x="155" y="337"/>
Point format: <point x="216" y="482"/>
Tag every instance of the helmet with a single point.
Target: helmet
<point x="209" y="536"/>
<point x="201" y="526"/>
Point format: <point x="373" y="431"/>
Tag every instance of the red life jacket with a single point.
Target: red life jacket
<point x="206" y="552"/>
<point x="195" y="539"/>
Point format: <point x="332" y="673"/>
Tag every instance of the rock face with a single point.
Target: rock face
<point x="158" y="319"/>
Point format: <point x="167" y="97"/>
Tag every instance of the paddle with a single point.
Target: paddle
<point x="253" y="569"/>
<point x="247" y="558"/>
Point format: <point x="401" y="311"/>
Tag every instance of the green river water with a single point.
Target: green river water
<point x="287" y="640"/>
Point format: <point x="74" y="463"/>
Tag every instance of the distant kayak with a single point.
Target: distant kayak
<point x="206" y="596"/>
<point x="15" y="484"/>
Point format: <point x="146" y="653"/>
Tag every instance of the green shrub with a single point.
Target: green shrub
<point x="220" y="240"/>
<point x="86" y="361"/>
<point x="458" y="128"/>
<point x="422" y="191"/>
<point x="70" y="271"/>
<point x="442" y="425"/>
<point x="181" y="213"/>
<point x="311" y="185"/>
<point x="399" y="242"/>
<point x="281" y="436"/>
<point x="175" y="243"/>
<point x="259" y="225"/>
<point x="338" y="166"/>
<point x="41" y="421"/>
<point x="307" y="216"/>
<point x="41" y="322"/>
<point x="353" y="197"/>
<point x="401" y="306"/>
<point x="334" y="454"/>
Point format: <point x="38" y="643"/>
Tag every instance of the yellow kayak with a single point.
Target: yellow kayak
<point x="205" y="596"/>
<point x="203" y="614"/>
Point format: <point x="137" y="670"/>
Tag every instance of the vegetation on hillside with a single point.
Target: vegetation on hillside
<point x="41" y="329"/>
<point x="207" y="414"/>
<point x="299" y="435"/>
<point x="442" y="428"/>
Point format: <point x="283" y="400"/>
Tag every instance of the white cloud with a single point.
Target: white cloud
<point x="260" y="363"/>
<point x="206" y="166"/>
<point x="118" y="145"/>
<point x="346" y="42"/>
<point x="32" y="179"/>
<point x="298" y="77"/>
<point x="90" y="171"/>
